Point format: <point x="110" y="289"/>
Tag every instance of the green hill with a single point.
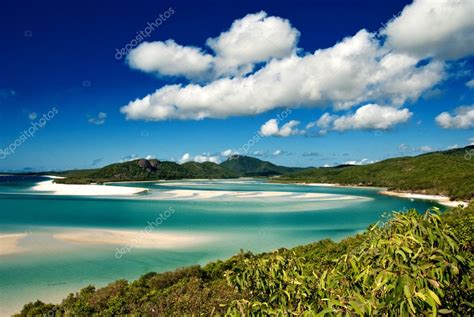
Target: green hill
<point x="448" y="173"/>
<point x="250" y="166"/>
<point x="143" y="170"/>
<point x="412" y="265"/>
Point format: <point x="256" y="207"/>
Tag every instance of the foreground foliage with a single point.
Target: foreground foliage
<point x="412" y="264"/>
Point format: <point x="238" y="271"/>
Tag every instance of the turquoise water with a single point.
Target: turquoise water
<point x="51" y="268"/>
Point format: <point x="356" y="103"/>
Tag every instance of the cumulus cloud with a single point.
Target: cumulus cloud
<point x="255" y="38"/>
<point x="425" y="148"/>
<point x="372" y="117"/>
<point x="442" y="29"/>
<point x="129" y="158"/>
<point x="252" y="39"/>
<point x="363" y="161"/>
<point x="367" y="117"/>
<point x="170" y="59"/>
<point x="403" y="147"/>
<point x="270" y="128"/>
<point x="99" y="119"/>
<point x="259" y="153"/>
<point x="228" y="153"/>
<point x="470" y="83"/>
<point x="358" y="69"/>
<point x="201" y="158"/>
<point x="185" y="158"/>
<point x="463" y="118"/>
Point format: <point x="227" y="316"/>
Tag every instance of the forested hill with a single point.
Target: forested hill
<point x="143" y="170"/>
<point x="250" y="166"/>
<point x="448" y="173"/>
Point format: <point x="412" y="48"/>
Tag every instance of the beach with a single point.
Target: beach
<point x="443" y="200"/>
<point x="86" y="190"/>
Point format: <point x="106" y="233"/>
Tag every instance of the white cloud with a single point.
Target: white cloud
<point x="451" y="147"/>
<point x="185" y="158"/>
<point x="170" y="59"/>
<point x="471" y="141"/>
<point x="361" y="162"/>
<point x="351" y="72"/>
<point x="270" y="128"/>
<point x="207" y="158"/>
<point x="129" y="158"/>
<point x="199" y="158"/>
<point x="403" y="147"/>
<point x="425" y="148"/>
<point x="463" y="118"/>
<point x="369" y="117"/>
<point x="99" y="119"/>
<point x="429" y="28"/>
<point x="227" y="153"/>
<point x="470" y="83"/>
<point x="254" y="38"/>
<point x="150" y="157"/>
<point x="277" y="152"/>
<point x="259" y="153"/>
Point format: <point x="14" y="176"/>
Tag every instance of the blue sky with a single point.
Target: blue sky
<point x="63" y="55"/>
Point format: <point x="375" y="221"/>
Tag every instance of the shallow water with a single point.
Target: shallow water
<point x="240" y="217"/>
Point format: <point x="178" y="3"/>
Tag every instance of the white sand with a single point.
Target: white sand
<point x="147" y="238"/>
<point x="191" y="194"/>
<point x="9" y="243"/>
<point x="86" y="190"/>
<point x="443" y="200"/>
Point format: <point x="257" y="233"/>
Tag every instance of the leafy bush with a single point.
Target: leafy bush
<point x="412" y="264"/>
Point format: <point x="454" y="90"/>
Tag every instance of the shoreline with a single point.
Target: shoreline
<point x="441" y="199"/>
<point x="179" y="179"/>
<point x="337" y="185"/>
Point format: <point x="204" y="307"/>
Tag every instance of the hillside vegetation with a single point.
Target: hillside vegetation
<point x="144" y="170"/>
<point x="448" y="173"/>
<point x="411" y="264"/>
<point x="250" y="166"/>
